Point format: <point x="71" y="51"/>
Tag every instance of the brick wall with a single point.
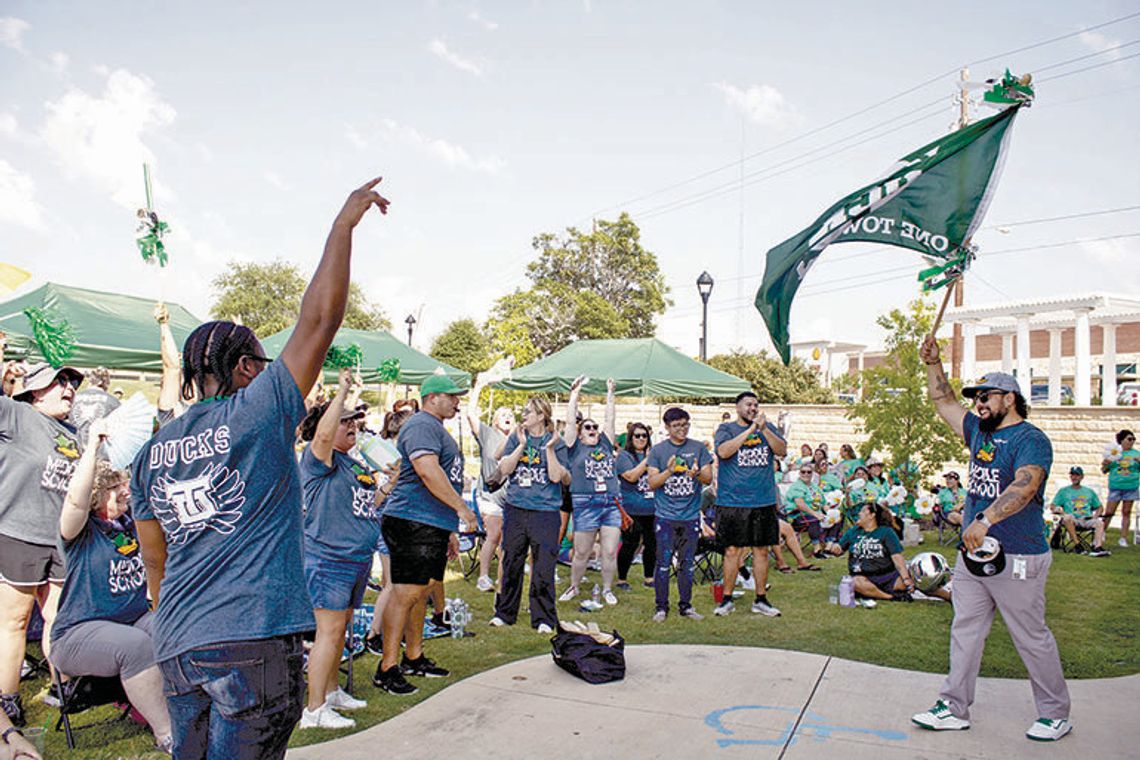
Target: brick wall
<point x="1127" y="342"/>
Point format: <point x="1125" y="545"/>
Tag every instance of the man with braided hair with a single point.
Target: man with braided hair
<point x="217" y="500"/>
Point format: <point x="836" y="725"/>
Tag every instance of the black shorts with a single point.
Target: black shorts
<point x="24" y="564"/>
<point x="417" y="552"/>
<point x="747" y="526"/>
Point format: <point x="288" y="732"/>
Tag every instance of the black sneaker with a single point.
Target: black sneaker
<point x="375" y="644"/>
<point x="622" y="586"/>
<point x="14" y="708"/>
<point x="422" y="667"/>
<point x="393" y="682"/>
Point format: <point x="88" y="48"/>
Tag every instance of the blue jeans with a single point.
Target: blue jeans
<point x="675" y="537"/>
<point x="235" y="700"/>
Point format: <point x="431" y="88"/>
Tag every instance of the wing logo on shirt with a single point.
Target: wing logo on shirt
<point x="213" y="501"/>
<point x="66" y="446"/>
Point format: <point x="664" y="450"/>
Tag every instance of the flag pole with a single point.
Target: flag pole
<point x="942" y="309"/>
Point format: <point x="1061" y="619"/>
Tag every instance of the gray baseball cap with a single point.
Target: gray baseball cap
<point x="998" y="381"/>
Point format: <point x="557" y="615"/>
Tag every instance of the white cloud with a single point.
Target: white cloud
<point x="17" y="198"/>
<point x="1097" y="42"/>
<point x="59" y="62"/>
<point x="275" y="179"/>
<point x="12" y="33"/>
<point x="9" y="127"/>
<point x="355" y="137"/>
<point x="487" y="24"/>
<point x="100" y="137"/>
<point x="448" y="152"/>
<point x="1112" y="252"/>
<point x="762" y="103"/>
<point x="439" y="48"/>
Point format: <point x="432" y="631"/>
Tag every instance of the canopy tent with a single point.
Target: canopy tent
<point x="379" y="347"/>
<point x="108" y="329"/>
<point x="639" y="367"/>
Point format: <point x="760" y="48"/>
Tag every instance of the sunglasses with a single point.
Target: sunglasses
<point x="65" y="380"/>
<point x="256" y="358"/>
<point x="589" y="427"/>
<point x="640" y="435"/>
<point x="807" y="472"/>
<point x="985" y="396"/>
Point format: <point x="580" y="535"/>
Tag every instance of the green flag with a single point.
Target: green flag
<point x="931" y="201"/>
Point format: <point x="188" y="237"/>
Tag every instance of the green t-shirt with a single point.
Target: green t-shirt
<point x="830" y="482"/>
<point x="949" y="501"/>
<point x="1124" y="474"/>
<point x="848" y="466"/>
<point x="810" y="494"/>
<point x="1079" y="502"/>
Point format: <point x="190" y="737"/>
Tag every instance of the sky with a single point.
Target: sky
<point x="494" y="122"/>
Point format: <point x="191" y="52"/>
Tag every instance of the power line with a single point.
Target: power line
<point x="1080" y="215"/>
<point x="1085" y="57"/>
<point x="1090" y="68"/>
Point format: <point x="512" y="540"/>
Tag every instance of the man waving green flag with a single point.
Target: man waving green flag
<point x="931" y="201"/>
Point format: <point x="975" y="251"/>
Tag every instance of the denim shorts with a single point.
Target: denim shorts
<point x="1116" y="494"/>
<point x="336" y="584"/>
<point x="594" y="511"/>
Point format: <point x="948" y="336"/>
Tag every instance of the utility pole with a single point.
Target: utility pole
<point x="959" y="286"/>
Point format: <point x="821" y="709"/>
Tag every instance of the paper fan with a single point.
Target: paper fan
<point x="499" y="371"/>
<point x="376" y="451"/>
<point x="128" y="428"/>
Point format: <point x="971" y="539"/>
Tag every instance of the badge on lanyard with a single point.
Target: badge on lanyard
<point x="525" y="478"/>
<point x="1018" y="571"/>
<point x="600" y="484"/>
<point x="649" y="494"/>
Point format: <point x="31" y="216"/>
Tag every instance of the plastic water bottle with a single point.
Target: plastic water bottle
<point x="596" y="594"/>
<point x="460" y="616"/>
<point x="847" y="591"/>
<point x="833" y="593"/>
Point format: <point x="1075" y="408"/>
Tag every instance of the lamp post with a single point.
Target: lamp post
<point x="411" y="323"/>
<point x="704" y="287"/>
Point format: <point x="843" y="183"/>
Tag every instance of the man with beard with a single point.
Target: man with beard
<point x="746" y="496"/>
<point x="1009" y="464"/>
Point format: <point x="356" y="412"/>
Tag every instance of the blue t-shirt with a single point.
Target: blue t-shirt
<point x="994" y="458"/>
<point x="342" y="521"/>
<point x="747" y="478"/>
<point x="423" y="434"/>
<point x="636" y="498"/>
<point x="680" y="497"/>
<point x="222" y="482"/>
<point x="870" y="553"/>
<point x="530" y="486"/>
<point x="592" y="467"/>
<point x="105" y="579"/>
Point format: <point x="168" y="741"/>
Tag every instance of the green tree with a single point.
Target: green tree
<point x="895" y="412"/>
<point x="267" y="298"/>
<point x="774" y="382"/>
<point x="463" y="345"/>
<point x="600" y="284"/>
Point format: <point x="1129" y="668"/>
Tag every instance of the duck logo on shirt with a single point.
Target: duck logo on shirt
<point x="597" y="455"/>
<point x="213" y="501"/>
<point x="1124" y="465"/>
<point x="530" y="456"/>
<point x="66" y="446"/>
<point x="125" y="543"/>
<point x="363" y="476"/>
<point x="986" y="452"/>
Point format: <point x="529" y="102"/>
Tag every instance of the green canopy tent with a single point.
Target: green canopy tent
<point x="109" y="329"/>
<point x="378" y="347"/>
<point x="639" y="366"/>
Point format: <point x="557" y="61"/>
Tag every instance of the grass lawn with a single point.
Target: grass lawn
<point x="1091" y="610"/>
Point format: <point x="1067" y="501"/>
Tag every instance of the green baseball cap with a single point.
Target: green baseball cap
<point x="440" y="384"/>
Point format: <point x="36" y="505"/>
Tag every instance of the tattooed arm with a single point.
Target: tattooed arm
<point x="1026" y="482"/>
<point x="945" y="402"/>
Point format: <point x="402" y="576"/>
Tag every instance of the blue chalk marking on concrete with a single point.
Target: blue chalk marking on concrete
<point x="812" y="724"/>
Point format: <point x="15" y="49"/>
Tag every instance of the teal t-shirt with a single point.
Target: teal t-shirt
<point x="830" y="482"/>
<point x="847" y="466"/>
<point x="1079" y="502"/>
<point x="949" y="501"/>
<point x="810" y="494"/>
<point x="1124" y="474"/>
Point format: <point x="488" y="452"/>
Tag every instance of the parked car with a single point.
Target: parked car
<point x="1039" y="394"/>
<point x="1128" y="394"/>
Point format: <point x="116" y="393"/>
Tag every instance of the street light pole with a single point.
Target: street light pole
<point x="411" y="323"/>
<point x="704" y="287"/>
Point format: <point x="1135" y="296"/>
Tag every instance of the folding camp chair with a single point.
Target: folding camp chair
<point x="1061" y="539"/>
<point x="84" y="692"/>
<point x="470" y="544"/>
<point x="948" y="532"/>
<point x="708" y="562"/>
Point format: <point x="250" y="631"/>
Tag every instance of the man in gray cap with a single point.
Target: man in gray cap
<point x="1009" y="464"/>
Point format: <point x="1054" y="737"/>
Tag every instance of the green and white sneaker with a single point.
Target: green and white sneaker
<point x="1047" y="730"/>
<point x="939" y="718"/>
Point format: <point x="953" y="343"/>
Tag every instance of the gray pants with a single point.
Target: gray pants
<point x="104" y="648"/>
<point x="1022" y="606"/>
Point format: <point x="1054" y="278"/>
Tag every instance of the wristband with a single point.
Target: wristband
<point x="8" y="731"/>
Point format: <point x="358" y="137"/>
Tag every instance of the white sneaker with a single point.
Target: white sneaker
<point x="939" y="718"/>
<point x="1046" y="730"/>
<point x="544" y="628"/>
<point x="763" y="608"/>
<point x="324" y="717"/>
<point x="568" y="594"/>
<point x="1123" y="541"/>
<point x="485" y="583"/>
<point x="342" y="700"/>
<point x="724" y="608"/>
<point x="749" y="583"/>
<point x="497" y="621"/>
<point x="609" y="597"/>
<point x="691" y="614"/>
<point x="659" y="616"/>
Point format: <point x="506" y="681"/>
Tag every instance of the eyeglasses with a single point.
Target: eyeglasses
<point x="589" y="427"/>
<point x="680" y="424"/>
<point x="985" y="396"/>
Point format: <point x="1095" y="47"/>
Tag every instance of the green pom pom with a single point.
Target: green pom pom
<point x="344" y="357"/>
<point x="53" y="336"/>
<point x="389" y="370"/>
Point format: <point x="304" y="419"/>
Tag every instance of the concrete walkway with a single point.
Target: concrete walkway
<point x="733" y="702"/>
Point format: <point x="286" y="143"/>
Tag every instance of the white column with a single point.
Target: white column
<point x="1054" y="366"/>
<point x="1108" y="364"/>
<point x="969" y="351"/>
<point x="1007" y="352"/>
<point x="1084" y="363"/>
<point x="1023" y="353"/>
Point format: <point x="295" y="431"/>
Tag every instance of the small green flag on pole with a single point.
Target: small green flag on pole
<point x="150" y="229"/>
<point x="931" y="202"/>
